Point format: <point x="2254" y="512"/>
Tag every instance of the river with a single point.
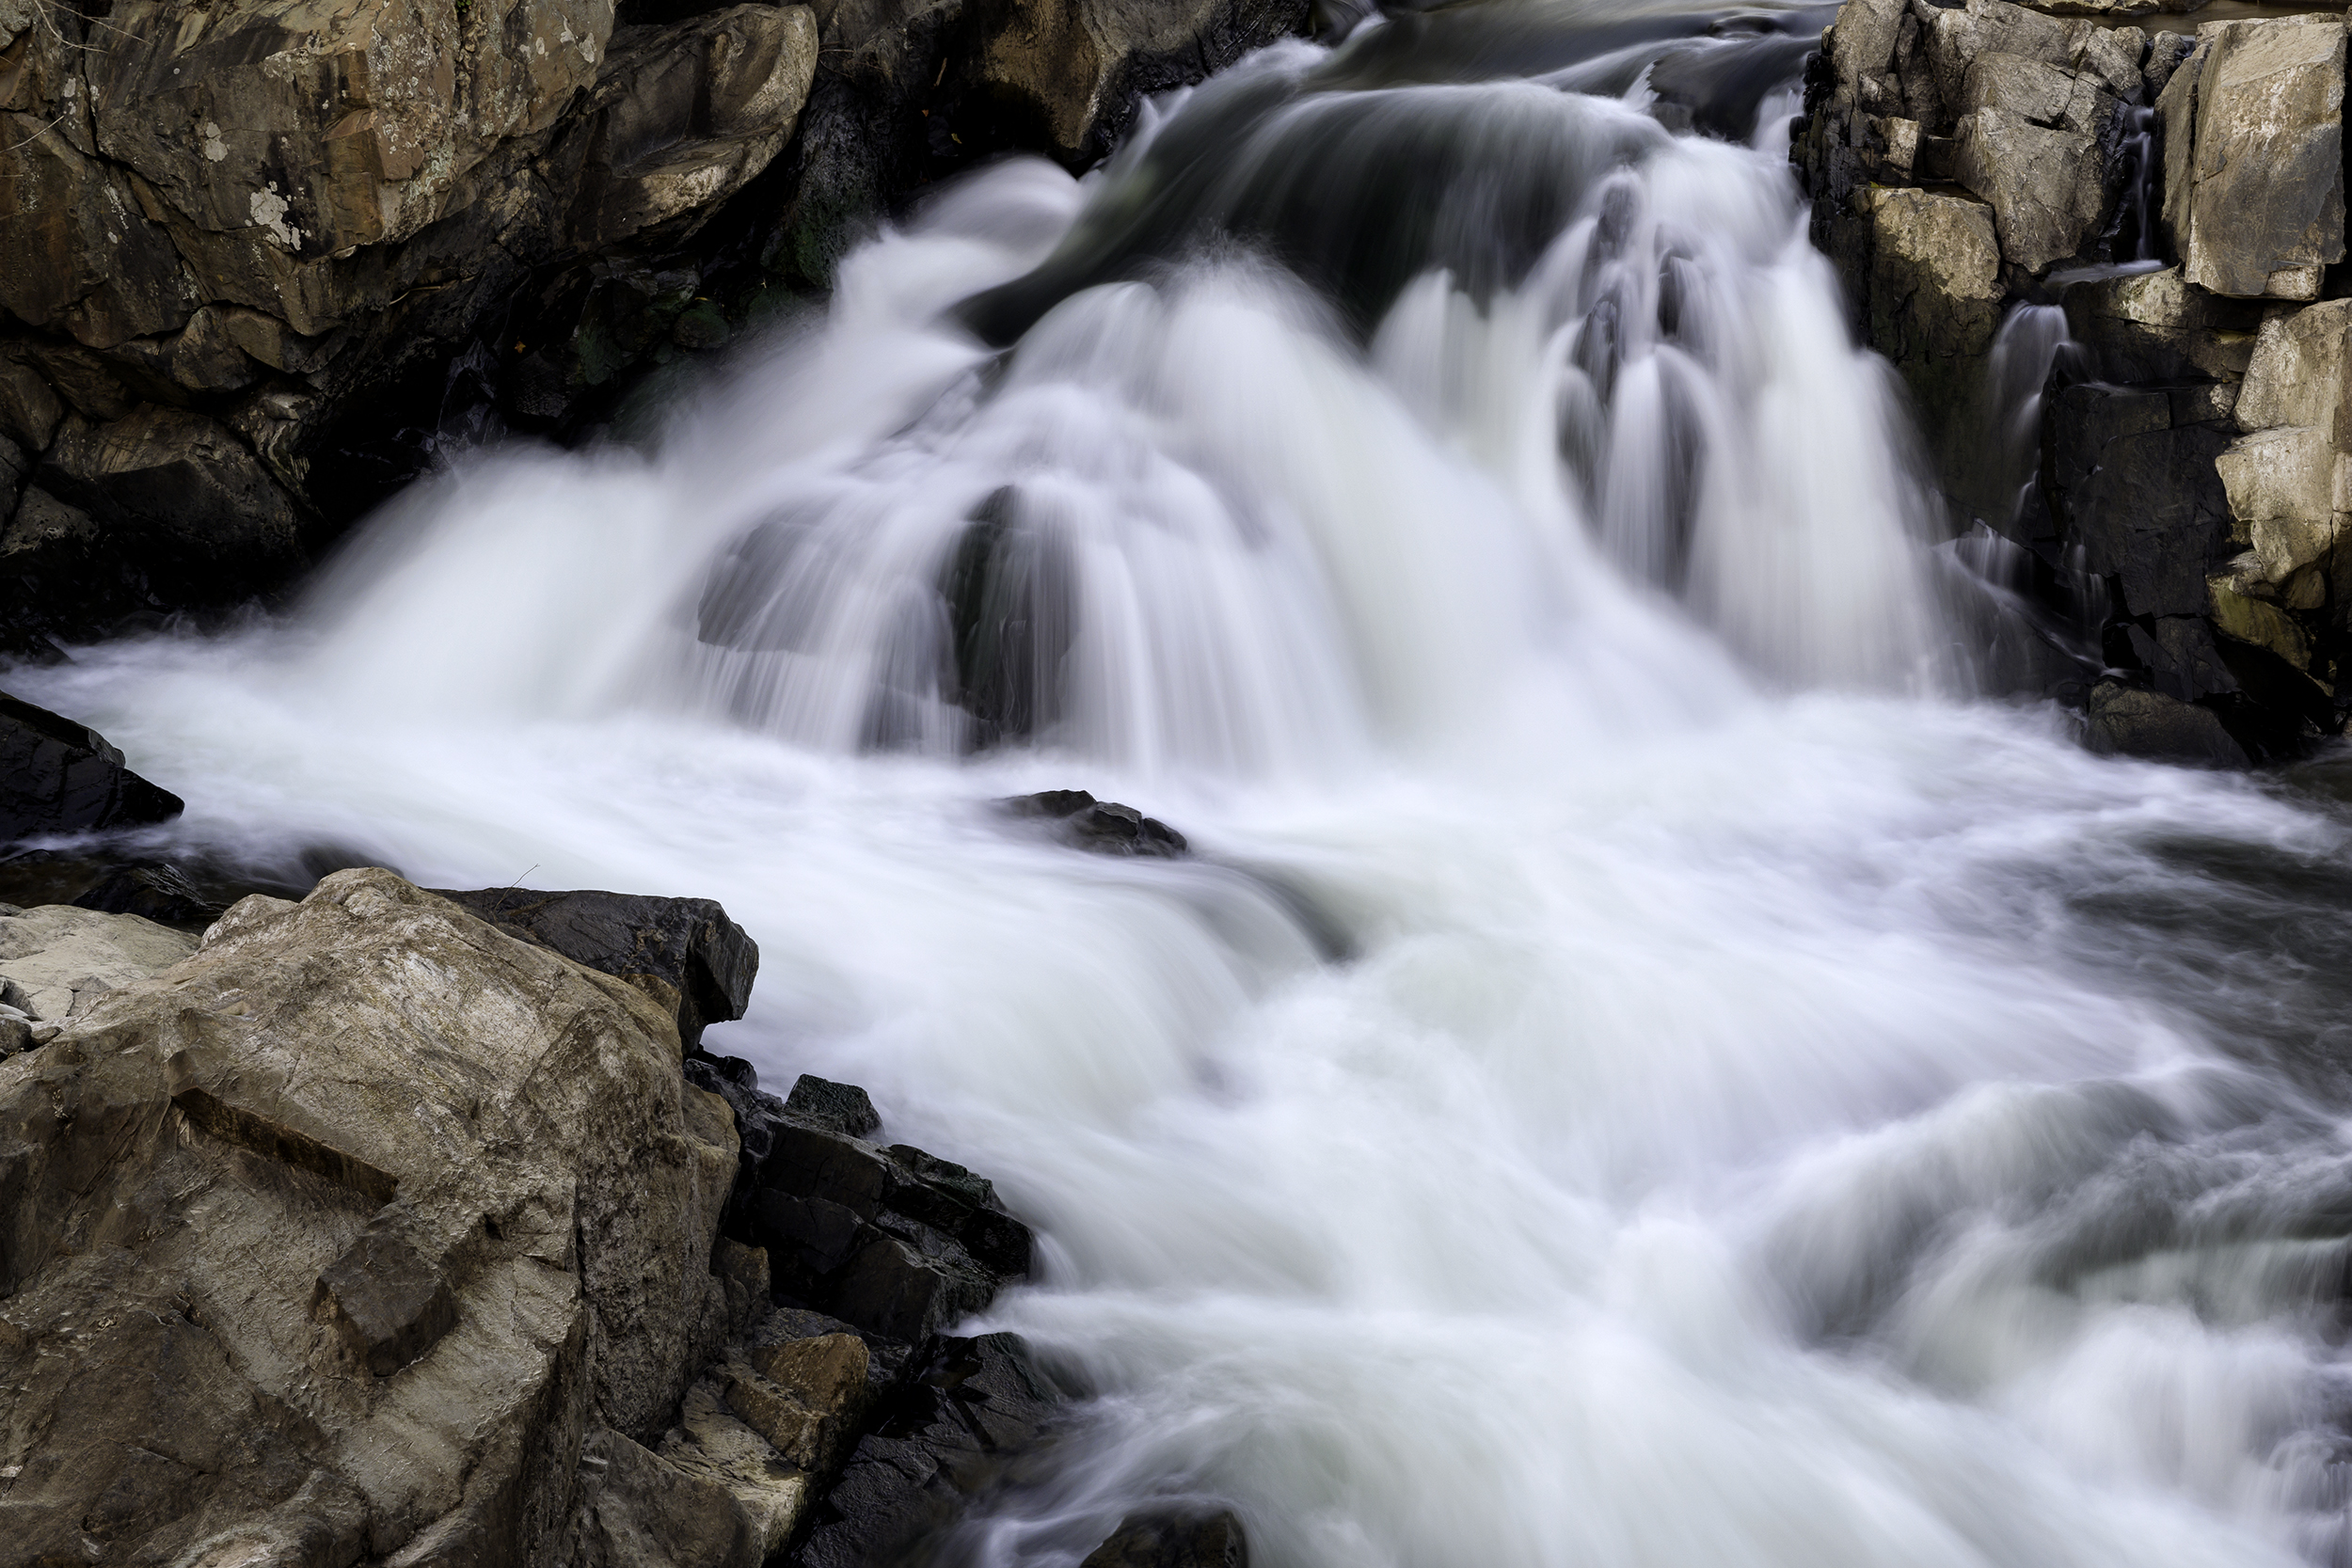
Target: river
<point x="1645" y="1065"/>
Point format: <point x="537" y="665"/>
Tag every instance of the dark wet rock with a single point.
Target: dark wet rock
<point x="842" y="1108"/>
<point x="157" y="891"/>
<point x="2127" y="722"/>
<point x="1103" y="827"/>
<point x="60" y="777"/>
<point x="1173" y="1541"/>
<point x="684" y="951"/>
<point x="971" y="1414"/>
<point x="2143" y="494"/>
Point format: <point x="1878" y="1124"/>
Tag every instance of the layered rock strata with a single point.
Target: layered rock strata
<point x="2169" y="462"/>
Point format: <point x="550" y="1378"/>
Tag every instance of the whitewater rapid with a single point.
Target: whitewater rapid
<point x="1643" y="1068"/>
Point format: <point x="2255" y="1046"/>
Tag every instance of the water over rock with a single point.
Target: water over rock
<point x="2184" y="437"/>
<point x="60" y="777"/>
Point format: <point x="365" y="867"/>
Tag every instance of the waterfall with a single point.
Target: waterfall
<point x="1771" y="1108"/>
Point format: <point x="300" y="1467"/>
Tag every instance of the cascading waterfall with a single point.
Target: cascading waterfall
<point x="1773" y="1109"/>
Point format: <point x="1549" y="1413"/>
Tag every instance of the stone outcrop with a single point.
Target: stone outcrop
<point x="1173" y="1541"/>
<point x="684" y="952"/>
<point x="1104" y="827"/>
<point x="57" y="964"/>
<point x="2191" y="459"/>
<point x="2253" y="126"/>
<point x="408" y="1208"/>
<point x="60" y="777"/>
<point x="258" y="260"/>
<point x="440" y="1251"/>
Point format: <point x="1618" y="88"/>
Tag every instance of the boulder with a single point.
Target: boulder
<point x="57" y="963"/>
<point x="2297" y="373"/>
<point x="413" y="1212"/>
<point x="60" y="777"/>
<point x="2253" y="126"/>
<point x="2125" y="721"/>
<point x="1173" y="1541"/>
<point x="686" y="116"/>
<point x="1104" y="827"/>
<point x="2047" y="187"/>
<point x="2153" y="326"/>
<point x="683" y="952"/>
<point x="2287" y="489"/>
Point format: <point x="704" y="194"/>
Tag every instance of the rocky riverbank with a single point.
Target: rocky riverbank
<point x="373" y="1228"/>
<point x="2170" y="457"/>
<point x="256" y="260"/>
<point x="395" y="1226"/>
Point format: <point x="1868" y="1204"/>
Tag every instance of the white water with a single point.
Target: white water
<point x="1752" y="1127"/>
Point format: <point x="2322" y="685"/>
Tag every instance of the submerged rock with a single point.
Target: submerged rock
<point x="1104" y="827"/>
<point x="1173" y="1541"/>
<point x="60" y="777"/>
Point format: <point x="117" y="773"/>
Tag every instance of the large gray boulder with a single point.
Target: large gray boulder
<point x="2254" y="124"/>
<point x="406" y="1211"/>
<point x="2047" y="186"/>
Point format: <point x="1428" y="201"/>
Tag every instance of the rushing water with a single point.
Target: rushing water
<point x="1730" y="1098"/>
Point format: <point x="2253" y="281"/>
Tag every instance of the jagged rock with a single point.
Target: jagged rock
<point x="2125" y="721"/>
<point x="2296" y="375"/>
<point x="1934" y="303"/>
<point x="2035" y="90"/>
<point x="2153" y="327"/>
<point x="686" y="116"/>
<point x="1079" y="68"/>
<point x="639" y="1510"/>
<point x="2284" y="498"/>
<point x="2047" y="187"/>
<point x="1173" y="1541"/>
<point x="189" y="1176"/>
<point x="965" y="1421"/>
<point x="60" y="777"/>
<point x="2253" y="125"/>
<point x="57" y="963"/>
<point x="2258" y="625"/>
<point x="1105" y="827"/>
<point x="684" y="952"/>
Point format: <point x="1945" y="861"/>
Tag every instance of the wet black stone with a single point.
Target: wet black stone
<point x="963" y="1423"/>
<point x="60" y="777"/>
<point x="1101" y="827"/>
<point x="843" y="1107"/>
<point x="688" y="946"/>
<point x="1173" y="1541"/>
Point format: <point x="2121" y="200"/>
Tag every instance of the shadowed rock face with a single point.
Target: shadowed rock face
<point x="60" y="777"/>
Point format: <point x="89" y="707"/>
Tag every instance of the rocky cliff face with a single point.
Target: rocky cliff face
<point x="2167" y="456"/>
<point x="258" y="258"/>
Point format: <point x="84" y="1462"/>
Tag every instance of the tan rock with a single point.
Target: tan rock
<point x="712" y="1443"/>
<point x="194" y="1174"/>
<point x="2254" y="123"/>
<point x="56" y="961"/>
<point x="2297" y="375"/>
<point x="2047" y="188"/>
<point x="2283" y="487"/>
